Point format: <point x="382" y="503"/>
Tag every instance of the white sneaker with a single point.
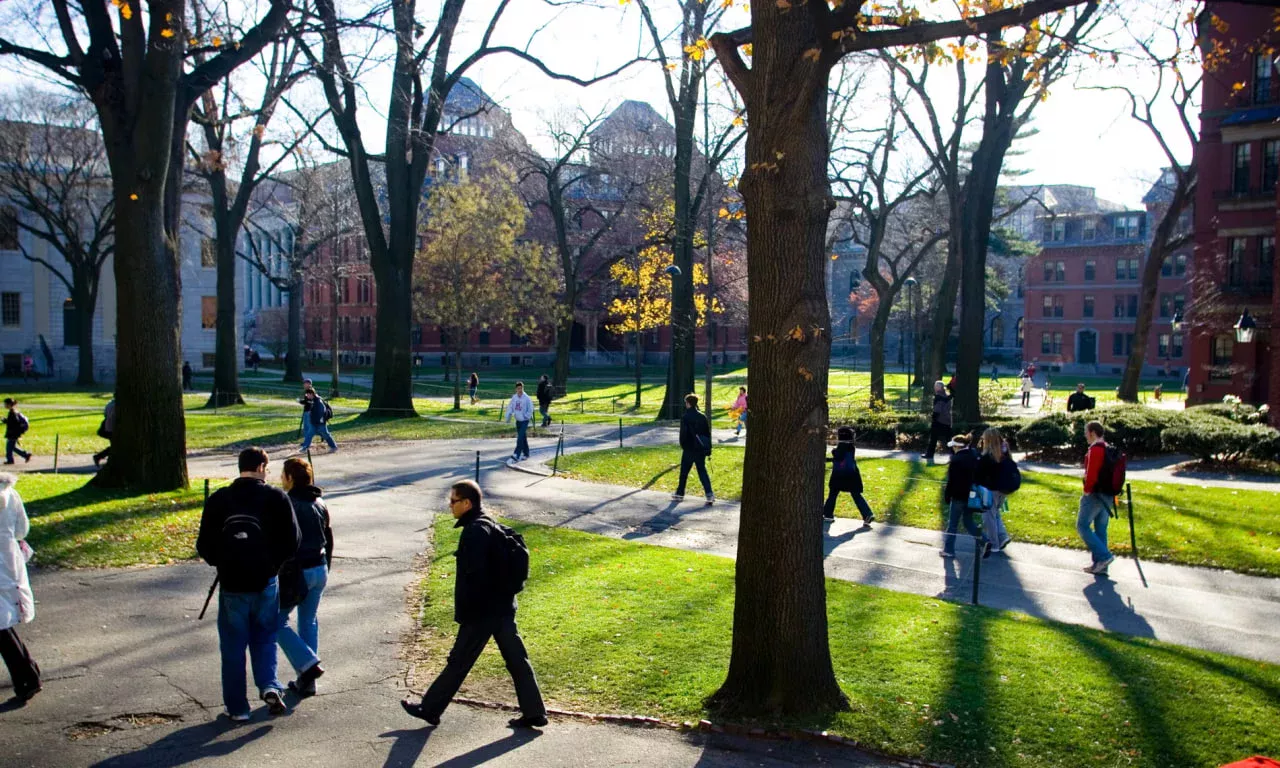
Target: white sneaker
<point x="948" y="555"/>
<point x="237" y="718"/>
<point x="1100" y="569"/>
<point x="677" y="497"/>
<point x="711" y="500"/>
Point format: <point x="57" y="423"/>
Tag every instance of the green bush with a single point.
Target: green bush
<point x="1047" y="433"/>
<point x="1225" y="441"/>
<point x="1136" y="429"/>
<point x="912" y="433"/>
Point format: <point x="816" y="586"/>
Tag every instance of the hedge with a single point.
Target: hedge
<point x="1222" y="441"/>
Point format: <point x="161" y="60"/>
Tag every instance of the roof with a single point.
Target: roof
<point x="635" y="117"/>
<point x="466" y="96"/>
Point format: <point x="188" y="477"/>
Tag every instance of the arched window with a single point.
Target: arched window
<point x="1018" y="331"/>
<point x="997" y="332"/>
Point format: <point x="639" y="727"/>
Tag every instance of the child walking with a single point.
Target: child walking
<point x="845" y="476"/>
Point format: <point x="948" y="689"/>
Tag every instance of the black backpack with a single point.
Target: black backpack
<point x="23" y="424"/>
<point x="328" y="413"/>
<point x="511" y="560"/>
<point x="243" y="548"/>
<point x="1111" y="478"/>
<point x="1009" y="479"/>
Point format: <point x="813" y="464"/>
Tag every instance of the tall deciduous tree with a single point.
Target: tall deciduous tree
<point x="780" y="660"/>
<point x="474" y="272"/>
<point x="53" y="168"/>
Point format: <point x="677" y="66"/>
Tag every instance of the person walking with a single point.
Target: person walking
<point x="314" y="560"/>
<point x="17" y="603"/>
<point x="28" y="368"/>
<point x="473" y="384"/>
<point x="521" y="409"/>
<point x="995" y="374"/>
<point x="940" y="428"/>
<point x="247" y="531"/>
<point x="304" y="426"/>
<point x="15" y="426"/>
<point x="483" y="607"/>
<point x="186" y="376"/>
<point x="316" y="422"/>
<point x="961" y="472"/>
<point x="740" y="408"/>
<point x="1027" y="385"/>
<point x="105" y="430"/>
<point x="1095" y="506"/>
<point x="695" y="447"/>
<point x="991" y="469"/>
<point x="544" y="399"/>
<point x="845" y="476"/>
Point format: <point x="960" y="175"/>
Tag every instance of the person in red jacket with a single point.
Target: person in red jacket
<point x="1095" y="507"/>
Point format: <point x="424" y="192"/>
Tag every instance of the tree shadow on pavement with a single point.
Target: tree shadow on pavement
<point x="188" y="745"/>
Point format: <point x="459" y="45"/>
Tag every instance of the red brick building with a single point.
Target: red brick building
<point x="1238" y="161"/>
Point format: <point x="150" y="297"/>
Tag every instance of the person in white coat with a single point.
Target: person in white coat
<point x="521" y="409"/>
<point x="17" y="604"/>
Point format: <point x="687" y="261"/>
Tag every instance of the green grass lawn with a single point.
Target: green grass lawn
<point x="1188" y="524"/>
<point x="614" y="626"/>
<point x="74" y="525"/>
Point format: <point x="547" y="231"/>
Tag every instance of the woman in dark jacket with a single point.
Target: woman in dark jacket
<point x="314" y="557"/>
<point x="544" y="399"/>
<point x="473" y="383"/>
<point x="845" y="476"/>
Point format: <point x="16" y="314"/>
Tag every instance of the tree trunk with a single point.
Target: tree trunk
<point x="457" y="379"/>
<point x="944" y="311"/>
<point x="681" y="364"/>
<point x="393" y="373"/>
<point x="639" y="355"/>
<point x="879" y="329"/>
<point x="564" y="345"/>
<point x="226" y="358"/>
<point x="86" y="301"/>
<point x="781" y="660"/>
<point x="293" y="357"/>
<point x="707" y="373"/>
<point x="334" y="365"/>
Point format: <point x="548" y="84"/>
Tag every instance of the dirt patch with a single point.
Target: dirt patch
<point x="92" y="729"/>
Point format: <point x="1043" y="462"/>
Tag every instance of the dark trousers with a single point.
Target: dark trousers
<point x="472" y="638"/>
<point x="937" y="432"/>
<point x="10" y="448"/>
<point x="546" y="417"/>
<point x="829" y="509"/>
<point x="23" y="670"/>
<point x="688" y="460"/>
<point x="1026" y="399"/>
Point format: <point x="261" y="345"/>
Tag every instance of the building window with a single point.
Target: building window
<point x="1179" y="303"/>
<point x="1126" y="305"/>
<point x="1221" y="358"/>
<point x="1088" y="307"/>
<point x="1057" y="343"/>
<point x="1164" y="345"/>
<point x="1174" y="266"/>
<point x="1046" y="343"/>
<point x="1166" y="305"/>
<point x="1177" y="345"/>
<point x="8" y="228"/>
<point x="484" y="338"/>
<point x="1240" y="171"/>
<point x="1235" y="262"/>
<point x="1060" y="271"/>
<point x="1048" y="306"/>
<point x="70" y="324"/>
<point x="1128" y="227"/>
<point x="1090" y="269"/>
<point x="1022" y="282"/>
<point x="1121" y="344"/>
<point x="1119" y="306"/>
<point x="1261" y="78"/>
<point x="1266" y="261"/>
<point x="1048" y="271"/>
<point x="1018" y="332"/>
<point x="363" y="294"/>
<point x="1270" y="164"/>
<point x="208" y="252"/>
<point x="208" y="312"/>
<point x="1059" y="231"/>
<point x="1090" y="228"/>
<point x="1057" y="306"/>
<point x="1133" y="269"/>
<point x="1131" y="305"/>
<point x="997" y="331"/>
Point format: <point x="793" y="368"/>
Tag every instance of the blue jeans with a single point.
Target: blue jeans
<point x="247" y="620"/>
<point x="1091" y="524"/>
<point x="688" y="460"/>
<point x="308" y="431"/>
<point x="959" y="513"/>
<point x="302" y="648"/>
<point x="313" y="430"/>
<point x="11" y="447"/>
<point x="742" y="421"/>
<point x="522" y="439"/>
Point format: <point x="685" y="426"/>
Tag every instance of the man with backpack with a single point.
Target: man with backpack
<point x="1104" y="467"/>
<point x="940" y="428"/>
<point x="492" y="565"/>
<point x="316" y="415"/>
<point x="248" y="530"/>
<point x="961" y="477"/>
<point x="15" y="426"/>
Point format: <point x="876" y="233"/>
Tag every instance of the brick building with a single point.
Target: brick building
<point x="1238" y="161"/>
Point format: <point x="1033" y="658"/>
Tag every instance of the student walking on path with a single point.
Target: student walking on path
<point x="17" y="603"/>
<point x="940" y="428"/>
<point x="313" y="562"/>
<point x="1097" y="502"/>
<point x="484" y="606"/>
<point x="544" y="399"/>
<point x="845" y="476"/>
<point x="740" y="408"/>
<point x="695" y="447"/>
<point x="1027" y="385"/>
<point x="15" y="426"/>
<point x="521" y="409"/>
<point x="960" y="478"/>
<point x="248" y="530"/>
<point x="105" y="430"/>
<point x="473" y="384"/>
<point x="317" y="414"/>
<point x="994" y="467"/>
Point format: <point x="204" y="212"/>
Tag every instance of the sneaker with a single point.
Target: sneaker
<point x="415" y="710"/>
<point x="28" y="459"/>
<point x="275" y="704"/>
<point x="242" y="718"/>
<point x="711" y="500"/>
<point x="524" y="721"/>
<point x="986" y="550"/>
<point x="946" y="554"/>
<point x="514" y="458"/>
<point x="677" y="497"/>
<point x="302" y="693"/>
<point x="1005" y="542"/>
<point x="1101" y="568"/>
<point x="829" y="518"/>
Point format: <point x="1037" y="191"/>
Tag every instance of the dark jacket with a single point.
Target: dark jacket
<point x="475" y="597"/>
<point x="316" y="412"/>
<point x="988" y="472"/>
<point x="544" y="394"/>
<point x="247" y="495"/>
<point x="841" y="480"/>
<point x="13" y="425"/>
<point x="316" y="547"/>
<point x="1079" y="401"/>
<point x="305" y="403"/>
<point x="692" y="425"/>
<point x="942" y="409"/>
<point x="960" y="475"/>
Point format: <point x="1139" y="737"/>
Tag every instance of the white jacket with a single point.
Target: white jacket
<point x="521" y="407"/>
<point x="17" y="604"/>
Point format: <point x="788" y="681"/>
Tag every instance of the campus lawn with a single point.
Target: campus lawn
<point x="615" y="626"/>
<point x="1187" y="524"/>
<point x="74" y="525"/>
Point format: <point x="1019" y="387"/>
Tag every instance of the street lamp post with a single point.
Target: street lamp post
<point x="1245" y="328"/>
<point x="911" y="284"/>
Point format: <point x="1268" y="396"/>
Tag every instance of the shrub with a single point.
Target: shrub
<point x="1136" y="428"/>
<point x="1047" y="433"/>
<point x="1226" y="441"/>
<point x="911" y="433"/>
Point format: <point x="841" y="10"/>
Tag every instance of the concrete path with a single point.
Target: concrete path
<point x="131" y="675"/>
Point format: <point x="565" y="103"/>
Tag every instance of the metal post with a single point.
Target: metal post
<point x="619" y="433"/>
<point x="580" y="406"/>
<point x="56" y="440"/>
<point x="477" y="467"/>
<point x="555" y="465"/>
<point x="313" y="466"/>
<point x="206" y="490"/>
<point x="977" y="566"/>
<point x="1133" y="537"/>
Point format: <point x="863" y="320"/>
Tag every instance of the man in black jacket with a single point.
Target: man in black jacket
<point x="483" y="609"/>
<point x="961" y="472"/>
<point x="695" y="447"/>
<point x="1079" y="401"/>
<point x="247" y="531"/>
<point x="940" y="428"/>
<point x="545" y="396"/>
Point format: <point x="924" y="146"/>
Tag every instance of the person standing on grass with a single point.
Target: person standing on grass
<point x="186" y="376"/>
<point x="695" y="447"/>
<point x="1027" y="385"/>
<point x="521" y="409"/>
<point x="315" y="559"/>
<point x="1079" y="401"/>
<point x="961" y="472"/>
<point x="544" y="399"/>
<point x="483" y="607"/>
<point x="105" y="430"/>
<point x="247" y="531"/>
<point x="940" y="428"/>
<point x="17" y="603"/>
<point x="317" y="414"/>
<point x="15" y="426"/>
<point x="740" y="407"/>
<point x="473" y="384"/>
<point x="845" y="476"/>
<point x="1095" y="506"/>
<point x="995" y="374"/>
<point x="992" y="466"/>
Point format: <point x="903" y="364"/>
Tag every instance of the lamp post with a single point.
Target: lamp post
<point x="671" y="408"/>
<point x="911" y="284"/>
<point x="1245" y="328"/>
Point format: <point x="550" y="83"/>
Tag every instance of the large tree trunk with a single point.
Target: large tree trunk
<point x="682" y="370"/>
<point x="781" y="660"/>
<point x="564" y="329"/>
<point x="86" y="301"/>
<point x="226" y="358"/>
<point x="393" y="370"/>
<point x="293" y="357"/>
<point x="879" y="329"/>
<point x="944" y="311"/>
